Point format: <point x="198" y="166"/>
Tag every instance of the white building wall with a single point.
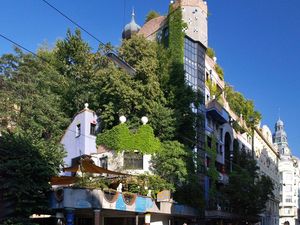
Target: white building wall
<point x="79" y="144"/>
<point x="290" y="188"/>
<point x="194" y="13"/>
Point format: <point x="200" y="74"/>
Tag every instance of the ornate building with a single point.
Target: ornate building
<point x="290" y="178"/>
<point x="130" y="28"/>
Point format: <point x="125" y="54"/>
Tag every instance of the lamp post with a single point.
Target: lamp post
<point x="231" y="158"/>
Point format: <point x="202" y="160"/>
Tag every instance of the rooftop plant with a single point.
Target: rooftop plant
<point x="210" y="52"/>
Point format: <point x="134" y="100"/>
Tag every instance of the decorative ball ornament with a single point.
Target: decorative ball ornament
<point x="144" y="120"/>
<point x="122" y="119"/>
<point x="86" y="105"/>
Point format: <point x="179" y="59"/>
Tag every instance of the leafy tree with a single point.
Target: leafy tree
<point x="25" y="171"/>
<point x="170" y="162"/>
<point x="30" y="155"/>
<point x="240" y="105"/>
<point x="248" y="191"/>
<point x="151" y="15"/>
<point x="75" y="61"/>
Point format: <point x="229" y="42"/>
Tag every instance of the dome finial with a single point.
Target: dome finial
<point x="131" y="28"/>
<point x="132" y="14"/>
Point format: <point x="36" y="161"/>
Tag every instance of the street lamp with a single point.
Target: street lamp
<point x="231" y="158"/>
<point x="144" y="120"/>
<point x="122" y="119"/>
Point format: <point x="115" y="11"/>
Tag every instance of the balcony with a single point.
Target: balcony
<point x="83" y="198"/>
<point x="216" y="111"/>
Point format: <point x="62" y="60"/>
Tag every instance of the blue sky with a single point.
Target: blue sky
<point x="257" y="42"/>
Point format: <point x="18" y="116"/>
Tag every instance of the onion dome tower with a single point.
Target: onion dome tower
<point x="280" y="139"/>
<point x="130" y="28"/>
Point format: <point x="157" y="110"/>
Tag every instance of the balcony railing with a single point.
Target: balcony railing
<point x="216" y="111"/>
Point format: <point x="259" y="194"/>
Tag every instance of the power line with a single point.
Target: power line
<point x="24" y="48"/>
<point x="112" y="55"/>
<point x="76" y="24"/>
<point x="72" y="21"/>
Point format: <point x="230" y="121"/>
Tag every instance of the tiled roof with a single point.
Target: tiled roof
<point x="152" y="26"/>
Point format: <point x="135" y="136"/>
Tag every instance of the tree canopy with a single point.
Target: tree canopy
<point x="240" y="105"/>
<point x="25" y="170"/>
<point x="151" y="15"/>
<point x="247" y="191"/>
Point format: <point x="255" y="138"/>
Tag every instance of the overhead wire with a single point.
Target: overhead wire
<point x="76" y="24"/>
<point x="24" y="48"/>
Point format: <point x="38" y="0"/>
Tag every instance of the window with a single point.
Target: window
<point x="104" y="162"/>
<point x="288" y="176"/>
<point x="287" y="188"/>
<point x="221" y="134"/>
<point x="288" y="198"/>
<point x="78" y="130"/>
<point x="208" y="141"/>
<point x="133" y="160"/>
<point x="93" y="129"/>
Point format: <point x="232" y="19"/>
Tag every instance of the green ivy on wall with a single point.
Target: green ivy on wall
<point x="212" y="172"/>
<point x="120" y="138"/>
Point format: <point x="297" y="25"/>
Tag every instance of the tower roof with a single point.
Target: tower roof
<point x="130" y="28"/>
<point x="279" y="122"/>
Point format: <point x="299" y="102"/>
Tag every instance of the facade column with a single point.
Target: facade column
<point x="70" y="216"/>
<point x="147" y="218"/>
<point x="137" y="219"/>
<point x="97" y="217"/>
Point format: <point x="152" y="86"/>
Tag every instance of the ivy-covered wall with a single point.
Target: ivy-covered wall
<point x="120" y="138"/>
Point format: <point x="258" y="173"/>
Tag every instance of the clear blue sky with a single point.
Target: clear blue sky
<point x="257" y="42"/>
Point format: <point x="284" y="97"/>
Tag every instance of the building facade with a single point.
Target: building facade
<point x="289" y="174"/>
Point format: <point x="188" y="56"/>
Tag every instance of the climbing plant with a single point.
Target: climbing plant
<point x="210" y="52"/>
<point x="180" y="95"/>
<point x="212" y="170"/>
<point x="219" y="71"/>
<point x="120" y="138"/>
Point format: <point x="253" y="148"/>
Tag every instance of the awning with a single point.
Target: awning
<point x="87" y="165"/>
<point x="63" y="180"/>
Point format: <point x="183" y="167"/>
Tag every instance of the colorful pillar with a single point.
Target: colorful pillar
<point x="70" y="216"/>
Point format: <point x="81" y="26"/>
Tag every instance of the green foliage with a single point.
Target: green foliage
<point x="180" y="94"/>
<point x="247" y="192"/>
<point x="210" y="52"/>
<point x="212" y="170"/>
<point x="87" y="181"/>
<point x="30" y="155"/>
<point x="25" y="171"/>
<point x="120" y="138"/>
<point x="141" y="184"/>
<point x="17" y="221"/>
<point x="170" y="162"/>
<point x="219" y="71"/>
<point x="151" y="15"/>
<point x="30" y="95"/>
<point x="214" y="91"/>
<point x="240" y="105"/>
<point x="152" y="182"/>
